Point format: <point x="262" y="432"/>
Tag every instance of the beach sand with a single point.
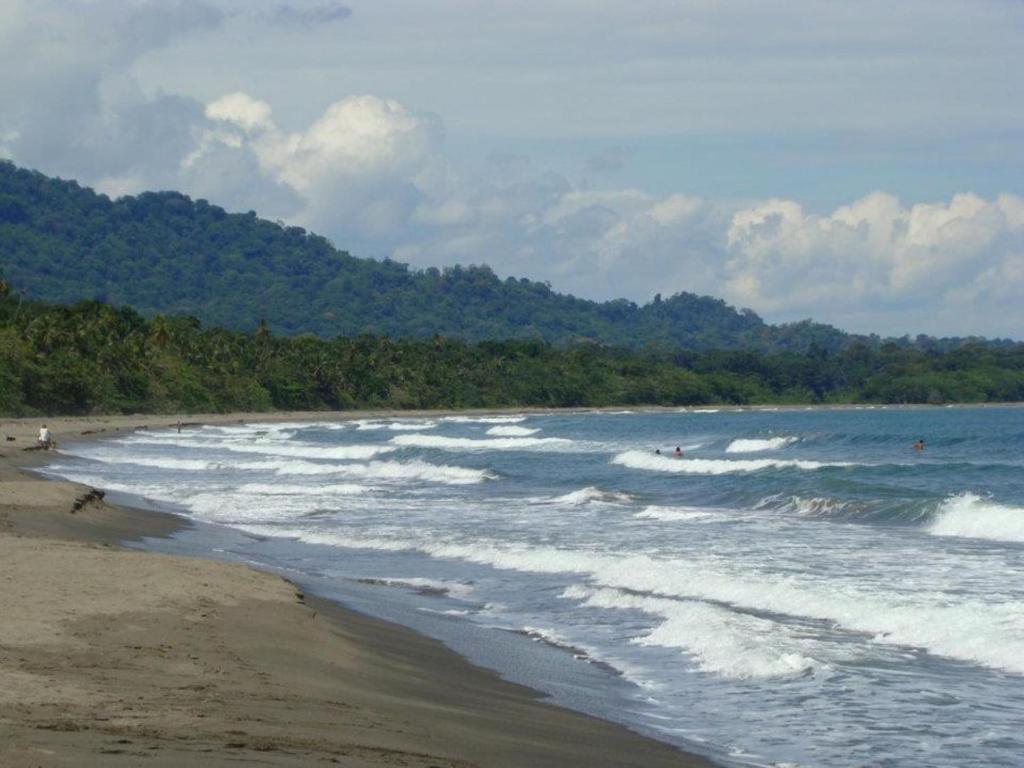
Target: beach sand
<point x="116" y="657"/>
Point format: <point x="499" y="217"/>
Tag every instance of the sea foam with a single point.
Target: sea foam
<point x="655" y="463"/>
<point x="678" y="514"/>
<point x="484" y="419"/>
<point x="972" y="516"/>
<point x="990" y="635"/>
<point x="293" y="489"/>
<point x="395" y="426"/>
<point x="592" y="494"/>
<point x="749" y="445"/>
<point x="512" y="431"/>
<point x="720" y="641"/>
<point x="313" y="451"/>
<point x="481" y="444"/>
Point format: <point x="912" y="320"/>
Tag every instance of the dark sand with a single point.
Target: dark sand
<point x="115" y="657"/>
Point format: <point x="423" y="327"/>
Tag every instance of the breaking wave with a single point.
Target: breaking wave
<point x="971" y="516"/>
<point x="310" y="451"/>
<point x="758" y="445"/>
<point x="484" y="419"/>
<point x="592" y="494"/>
<point x="991" y="635"/>
<point x="190" y="465"/>
<point x="415" y="470"/>
<point x="654" y="463"/>
<point x="678" y="514"/>
<point x="395" y="426"/>
<point x="512" y="431"/>
<point x="376" y="470"/>
<point x="720" y="641"/>
<point x="482" y="444"/>
<point x="293" y="489"/>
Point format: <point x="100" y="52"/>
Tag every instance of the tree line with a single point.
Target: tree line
<point x="94" y="357"/>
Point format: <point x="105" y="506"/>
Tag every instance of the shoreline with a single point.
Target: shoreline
<point x="112" y="654"/>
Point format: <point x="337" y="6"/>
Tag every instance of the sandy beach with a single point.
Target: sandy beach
<point x="116" y="657"/>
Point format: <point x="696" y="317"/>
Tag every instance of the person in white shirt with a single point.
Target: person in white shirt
<point x="45" y="441"/>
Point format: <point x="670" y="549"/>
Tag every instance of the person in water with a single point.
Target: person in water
<point x="679" y="452"/>
<point x="657" y="451"/>
<point x="919" y="445"/>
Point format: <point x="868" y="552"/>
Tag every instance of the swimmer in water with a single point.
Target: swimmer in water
<point x="918" y="446"/>
<point x="679" y="452"/>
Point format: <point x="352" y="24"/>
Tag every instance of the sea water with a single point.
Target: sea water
<point x="801" y="587"/>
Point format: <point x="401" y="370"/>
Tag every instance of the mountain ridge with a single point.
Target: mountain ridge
<point x="165" y="253"/>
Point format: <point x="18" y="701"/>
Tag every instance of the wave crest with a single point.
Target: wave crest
<point x="512" y="431"/>
<point x="752" y="445"/>
<point x="655" y="463"/>
<point x="971" y="516"/>
<point x="592" y="494"/>
<point x="482" y="444"/>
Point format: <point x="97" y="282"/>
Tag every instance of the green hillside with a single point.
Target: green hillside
<point x="95" y="358"/>
<point x="163" y="252"/>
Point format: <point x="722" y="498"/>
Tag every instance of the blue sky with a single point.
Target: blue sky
<point x="858" y="163"/>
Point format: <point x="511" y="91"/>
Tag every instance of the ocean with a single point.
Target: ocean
<point x="800" y="588"/>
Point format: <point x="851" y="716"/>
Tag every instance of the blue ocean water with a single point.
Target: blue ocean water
<point x="801" y="587"/>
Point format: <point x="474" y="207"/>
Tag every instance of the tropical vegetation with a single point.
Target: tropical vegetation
<point x="95" y="357"/>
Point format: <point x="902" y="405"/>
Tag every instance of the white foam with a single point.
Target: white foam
<point x="484" y="419"/>
<point x="678" y="514"/>
<point x="291" y="467"/>
<point x="326" y="538"/>
<point x="292" y="489"/>
<point x="972" y="516"/>
<point x="457" y="590"/>
<point x="512" y="431"/>
<point x="376" y="470"/>
<point x="655" y="463"/>
<point x="720" y="641"/>
<point x="269" y="426"/>
<point x="234" y="507"/>
<point x="191" y="465"/>
<point x="482" y="444"/>
<point x="758" y="445"/>
<point x="592" y="494"/>
<point x="313" y="451"/>
<point x="410" y="470"/>
<point x="985" y="633"/>
<point x="395" y="426"/>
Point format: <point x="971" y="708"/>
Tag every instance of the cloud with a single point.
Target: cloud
<point x="242" y="110"/>
<point x="374" y="174"/>
<point x="67" y="103"/>
<point x="309" y="16"/>
<point x="608" y="161"/>
<point x="959" y="259"/>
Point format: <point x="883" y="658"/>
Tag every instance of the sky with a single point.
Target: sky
<point x="858" y="163"/>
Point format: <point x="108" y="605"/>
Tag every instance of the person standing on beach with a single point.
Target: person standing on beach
<point x="45" y="441"/>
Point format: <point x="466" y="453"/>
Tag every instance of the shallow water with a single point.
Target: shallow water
<point x="800" y="588"/>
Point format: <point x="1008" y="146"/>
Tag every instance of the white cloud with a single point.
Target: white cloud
<point x="959" y="259"/>
<point x="374" y="174"/>
<point x="242" y="110"/>
<point x="359" y="136"/>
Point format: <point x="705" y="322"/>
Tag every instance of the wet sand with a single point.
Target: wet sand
<point x="116" y="657"/>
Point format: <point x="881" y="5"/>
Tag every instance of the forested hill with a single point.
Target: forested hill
<point x="165" y="253"/>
